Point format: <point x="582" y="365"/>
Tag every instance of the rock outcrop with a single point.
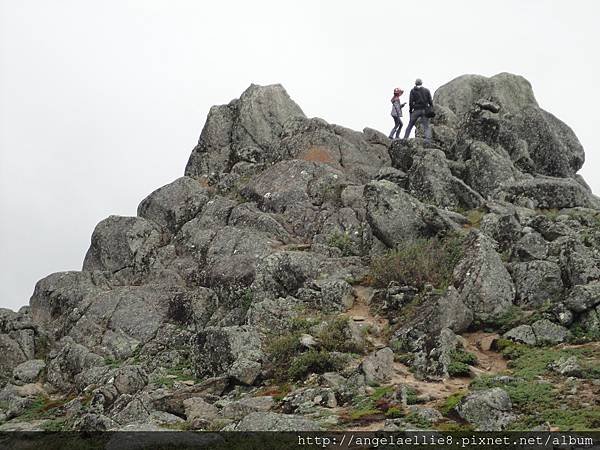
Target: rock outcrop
<point x="298" y="251"/>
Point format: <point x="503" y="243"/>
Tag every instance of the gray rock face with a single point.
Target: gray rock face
<point x="360" y="155"/>
<point x="246" y="128"/>
<point x="430" y="180"/>
<point x="234" y="351"/>
<point x="20" y="340"/>
<point x="29" y="371"/>
<point x="523" y="334"/>
<point x="392" y="213"/>
<point x="547" y="192"/>
<point x="304" y="400"/>
<point x="295" y="181"/>
<point x="554" y="148"/>
<point x="378" y="366"/>
<point x="174" y="204"/>
<point x="578" y="263"/>
<point x="270" y="421"/>
<point x="541" y="332"/>
<point x="239" y="409"/>
<point x="482" y="281"/>
<point x="531" y="246"/>
<point x="487" y="168"/>
<point x="537" y="283"/>
<point x="566" y="366"/>
<point x="72" y="359"/>
<point x="488" y="410"/>
<point x="123" y="243"/>
<point x="583" y="297"/>
<point x="278" y="219"/>
<point x="547" y="332"/>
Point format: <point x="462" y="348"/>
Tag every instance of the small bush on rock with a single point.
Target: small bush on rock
<point x="419" y="262"/>
<point x="312" y="361"/>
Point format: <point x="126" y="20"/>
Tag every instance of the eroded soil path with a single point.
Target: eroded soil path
<point x="478" y="343"/>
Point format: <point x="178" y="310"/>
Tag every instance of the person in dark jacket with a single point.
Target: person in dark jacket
<point x="397" y="113"/>
<point x="420" y="100"/>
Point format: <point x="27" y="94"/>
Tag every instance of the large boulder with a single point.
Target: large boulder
<point x="546" y="193"/>
<point x="488" y="410"/>
<point x="174" y="204"/>
<point x="393" y="214"/>
<point x="123" y="243"/>
<point x="483" y="283"/>
<point x="234" y="351"/>
<point x="552" y="145"/>
<point x="246" y="129"/>
<point x="289" y="182"/>
<point x="359" y="155"/>
<point x="271" y="421"/>
<point x="430" y="180"/>
<point x="537" y="283"/>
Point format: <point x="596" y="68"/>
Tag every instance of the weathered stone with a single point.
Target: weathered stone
<point x="295" y="181"/>
<point x="554" y="148"/>
<point x="537" y="283"/>
<point x="431" y="181"/>
<point x="547" y="332"/>
<point x="120" y="243"/>
<point x="239" y="409"/>
<point x="566" y="366"/>
<point x="583" y="297"/>
<point x="29" y="371"/>
<point x="256" y="121"/>
<point x="174" y="204"/>
<point x="393" y="215"/>
<point x="531" y="246"/>
<point x="270" y="421"/>
<point x="487" y="168"/>
<point x="547" y="192"/>
<point x="578" y="263"/>
<point x="304" y="400"/>
<point x="197" y="408"/>
<point x="378" y="366"/>
<point x="523" y="334"/>
<point x="488" y="410"/>
<point x="219" y="351"/>
<point x="482" y="281"/>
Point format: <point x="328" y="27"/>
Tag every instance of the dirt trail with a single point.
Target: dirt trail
<point x="477" y="343"/>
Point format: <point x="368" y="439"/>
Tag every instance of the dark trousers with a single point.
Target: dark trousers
<point x="397" y="127"/>
<point x="414" y="116"/>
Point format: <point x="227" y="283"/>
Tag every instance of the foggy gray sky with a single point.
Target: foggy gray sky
<point x="101" y="102"/>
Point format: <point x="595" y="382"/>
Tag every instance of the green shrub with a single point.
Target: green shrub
<point x="460" y="361"/>
<point x="341" y="241"/>
<point x="394" y="412"/>
<point x="451" y="402"/>
<point x="335" y="337"/>
<point x="419" y="262"/>
<point x="458" y="369"/>
<point x="312" y="361"/>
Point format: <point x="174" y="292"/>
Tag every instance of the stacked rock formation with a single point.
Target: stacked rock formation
<point x="278" y="217"/>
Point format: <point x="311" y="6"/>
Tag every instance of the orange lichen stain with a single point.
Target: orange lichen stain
<point x="318" y="154"/>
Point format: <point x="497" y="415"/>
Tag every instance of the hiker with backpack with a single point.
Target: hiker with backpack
<point x="397" y="113"/>
<point x="420" y="107"/>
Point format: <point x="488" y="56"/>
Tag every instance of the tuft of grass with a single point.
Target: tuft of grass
<point x="451" y="402"/>
<point x="291" y="361"/>
<point x="419" y="262"/>
<point x="312" y="361"/>
<point x="341" y="241"/>
<point x="460" y="361"/>
<point x="335" y="337"/>
<point x="474" y="217"/>
<point x="247" y="298"/>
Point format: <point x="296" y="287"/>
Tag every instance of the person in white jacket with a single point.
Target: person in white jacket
<point x="397" y="113"/>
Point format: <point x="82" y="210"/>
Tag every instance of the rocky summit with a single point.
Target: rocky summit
<point x="305" y="276"/>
